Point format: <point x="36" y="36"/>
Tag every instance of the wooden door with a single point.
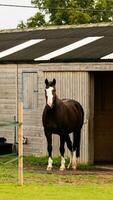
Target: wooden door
<point x="30" y="90"/>
<point x="30" y="103"/>
<point x="103" y="117"/>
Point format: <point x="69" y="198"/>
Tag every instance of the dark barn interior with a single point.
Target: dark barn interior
<point x="103" y="117"/>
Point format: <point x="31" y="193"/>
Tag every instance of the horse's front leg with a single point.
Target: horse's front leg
<point x="62" y="150"/>
<point x="49" y="148"/>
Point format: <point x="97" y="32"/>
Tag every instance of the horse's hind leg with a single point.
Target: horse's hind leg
<point x="62" y="150"/>
<point x="76" y="148"/>
<point x="69" y="145"/>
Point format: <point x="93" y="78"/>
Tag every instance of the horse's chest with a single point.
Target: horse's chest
<point x="52" y="123"/>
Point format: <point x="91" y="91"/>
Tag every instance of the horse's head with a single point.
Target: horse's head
<point x="50" y="92"/>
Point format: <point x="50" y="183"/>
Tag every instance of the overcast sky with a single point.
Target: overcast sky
<point x="11" y="16"/>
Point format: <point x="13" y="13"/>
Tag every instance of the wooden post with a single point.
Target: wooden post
<point x="20" y="144"/>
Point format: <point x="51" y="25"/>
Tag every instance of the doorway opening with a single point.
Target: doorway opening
<point x="103" y="117"/>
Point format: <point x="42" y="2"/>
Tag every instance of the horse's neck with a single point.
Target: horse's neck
<point x="57" y="102"/>
<point x="56" y="105"/>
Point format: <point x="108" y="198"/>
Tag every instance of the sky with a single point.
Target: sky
<point x="11" y="16"/>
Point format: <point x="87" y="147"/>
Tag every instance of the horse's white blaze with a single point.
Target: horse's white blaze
<point x="49" y="96"/>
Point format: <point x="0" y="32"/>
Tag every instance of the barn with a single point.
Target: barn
<point x="81" y="60"/>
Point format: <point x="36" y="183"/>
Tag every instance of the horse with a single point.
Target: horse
<point x="62" y="117"/>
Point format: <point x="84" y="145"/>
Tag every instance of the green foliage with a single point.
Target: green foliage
<point x="21" y="25"/>
<point x="68" y="12"/>
<point x="88" y="166"/>
<point x="41" y="161"/>
<point x="78" y="17"/>
<point x="32" y="160"/>
<point x="104" y="11"/>
<point x="36" y="21"/>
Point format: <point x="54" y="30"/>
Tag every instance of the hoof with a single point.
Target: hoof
<point x="49" y="168"/>
<point x="74" y="164"/>
<point x="62" y="168"/>
<point x="74" y="167"/>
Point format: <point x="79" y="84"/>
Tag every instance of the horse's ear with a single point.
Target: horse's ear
<point x="54" y="81"/>
<point x="46" y="81"/>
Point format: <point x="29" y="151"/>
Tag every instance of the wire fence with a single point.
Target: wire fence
<point x="10" y="124"/>
<point x="5" y="159"/>
<point x="8" y="158"/>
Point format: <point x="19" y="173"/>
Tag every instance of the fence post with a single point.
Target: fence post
<point x="20" y="144"/>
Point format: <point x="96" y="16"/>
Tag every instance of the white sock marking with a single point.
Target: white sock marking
<point x="74" y="160"/>
<point x="62" y="167"/>
<point x="50" y="162"/>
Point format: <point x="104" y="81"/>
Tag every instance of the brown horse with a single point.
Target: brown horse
<point x="62" y="117"/>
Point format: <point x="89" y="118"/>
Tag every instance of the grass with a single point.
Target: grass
<point x="42" y="185"/>
<point x="42" y="161"/>
<point x="56" y="192"/>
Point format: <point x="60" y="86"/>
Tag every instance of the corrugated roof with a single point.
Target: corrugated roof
<point x="58" y="45"/>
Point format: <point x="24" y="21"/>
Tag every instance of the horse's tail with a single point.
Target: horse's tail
<point x="81" y="112"/>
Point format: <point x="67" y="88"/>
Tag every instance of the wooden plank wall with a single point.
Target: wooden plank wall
<point x="8" y="82"/>
<point x="70" y="84"/>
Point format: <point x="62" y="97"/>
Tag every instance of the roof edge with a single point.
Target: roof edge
<point x="57" y="27"/>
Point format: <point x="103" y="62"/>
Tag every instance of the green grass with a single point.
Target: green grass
<point x="42" y="161"/>
<point x="56" y="192"/>
<point x="42" y="185"/>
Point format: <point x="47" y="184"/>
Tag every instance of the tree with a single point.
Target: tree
<point x="104" y="11"/>
<point x="66" y="11"/>
<point x="36" y="21"/>
<point x="70" y="12"/>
